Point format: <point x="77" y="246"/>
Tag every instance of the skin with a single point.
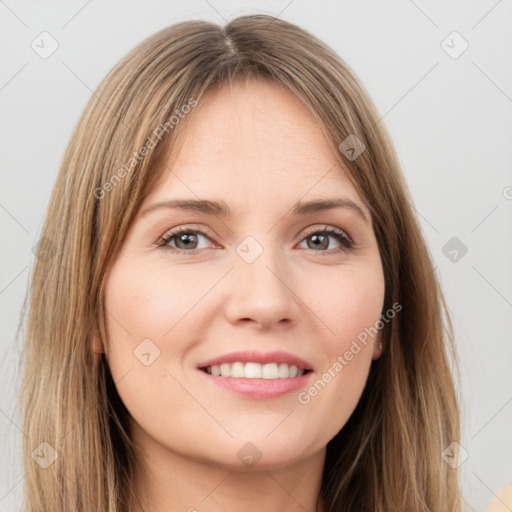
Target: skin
<point x="256" y="147"/>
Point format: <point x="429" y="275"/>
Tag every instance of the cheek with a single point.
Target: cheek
<point x="137" y="314"/>
<point x="143" y="303"/>
<point x="350" y="303"/>
<point x="140" y="308"/>
<point x="151" y="315"/>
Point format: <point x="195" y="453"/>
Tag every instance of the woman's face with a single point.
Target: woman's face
<point x="264" y="281"/>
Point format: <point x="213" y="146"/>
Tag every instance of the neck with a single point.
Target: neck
<point x="165" y="481"/>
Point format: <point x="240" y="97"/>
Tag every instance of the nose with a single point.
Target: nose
<point x="262" y="292"/>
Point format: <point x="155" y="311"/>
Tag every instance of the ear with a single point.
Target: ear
<point x="97" y="343"/>
<point x="377" y="347"/>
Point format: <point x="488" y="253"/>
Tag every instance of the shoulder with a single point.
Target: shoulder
<point x="502" y="500"/>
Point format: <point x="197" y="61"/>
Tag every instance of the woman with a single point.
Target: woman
<point x="295" y="358"/>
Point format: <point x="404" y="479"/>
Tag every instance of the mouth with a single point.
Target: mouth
<point x="252" y="370"/>
<point x="257" y="375"/>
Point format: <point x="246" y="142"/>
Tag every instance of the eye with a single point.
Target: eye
<point x="320" y="240"/>
<point x="186" y="240"/>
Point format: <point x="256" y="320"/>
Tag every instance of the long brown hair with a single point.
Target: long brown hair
<point x="388" y="456"/>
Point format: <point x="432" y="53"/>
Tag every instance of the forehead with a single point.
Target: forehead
<point x="253" y="143"/>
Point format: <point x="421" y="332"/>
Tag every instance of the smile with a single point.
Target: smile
<point x="252" y="370"/>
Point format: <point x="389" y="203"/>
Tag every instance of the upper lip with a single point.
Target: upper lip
<point x="253" y="356"/>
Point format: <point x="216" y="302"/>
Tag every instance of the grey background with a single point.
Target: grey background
<point x="450" y="119"/>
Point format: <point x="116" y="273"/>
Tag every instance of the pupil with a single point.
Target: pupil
<point x="317" y="237"/>
<point x="186" y="238"/>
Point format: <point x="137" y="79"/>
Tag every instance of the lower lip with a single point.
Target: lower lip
<point x="260" y="388"/>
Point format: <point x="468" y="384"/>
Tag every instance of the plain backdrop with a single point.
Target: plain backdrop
<point x="448" y="111"/>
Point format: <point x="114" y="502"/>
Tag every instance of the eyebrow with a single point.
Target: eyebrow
<point x="221" y="209"/>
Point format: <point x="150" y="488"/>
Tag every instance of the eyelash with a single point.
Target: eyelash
<point x="340" y="236"/>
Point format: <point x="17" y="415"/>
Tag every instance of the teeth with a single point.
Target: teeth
<point x="269" y="371"/>
<point x="251" y="371"/>
<point x="237" y="370"/>
<point x="255" y="370"/>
